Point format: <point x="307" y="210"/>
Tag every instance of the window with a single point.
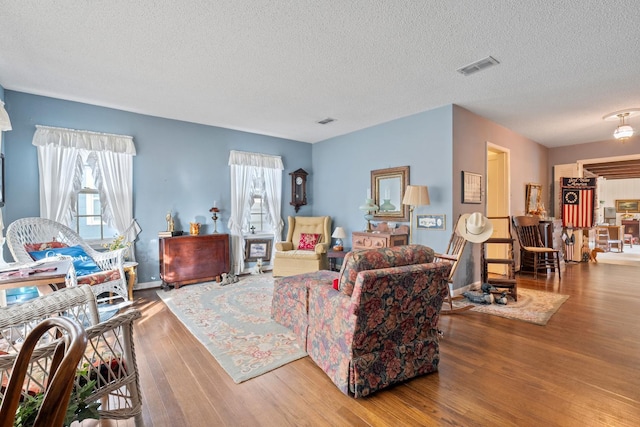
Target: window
<point x="88" y="218"/>
<point x="258" y="215"/>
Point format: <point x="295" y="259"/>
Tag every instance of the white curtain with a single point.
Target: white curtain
<point x="60" y="166"/>
<point x="243" y="166"/>
<point x="60" y="179"/>
<point x="113" y="173"/>
<point x="273" y="195"/>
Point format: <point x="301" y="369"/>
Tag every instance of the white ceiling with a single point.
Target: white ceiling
<point x="277" y="67"/>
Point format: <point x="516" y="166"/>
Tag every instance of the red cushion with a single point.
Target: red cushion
<point x="34" y="247"/>
<point x="308" y="241"/>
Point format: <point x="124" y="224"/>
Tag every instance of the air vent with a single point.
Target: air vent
<point x="484" y="63"/>
<point x="326" y="121"/>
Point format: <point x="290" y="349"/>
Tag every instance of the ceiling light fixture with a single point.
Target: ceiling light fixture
<point x="624" y="131"/>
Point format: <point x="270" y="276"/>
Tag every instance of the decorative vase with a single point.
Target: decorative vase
<point x="194" y="228"/>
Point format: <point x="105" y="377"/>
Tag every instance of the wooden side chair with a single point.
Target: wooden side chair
<point x="602" y="239"/>
<point x="68" y="353"/>
<point x="454" y="251"/>
<point x="533" y="253"/>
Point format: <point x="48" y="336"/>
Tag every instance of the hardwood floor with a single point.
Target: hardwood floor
<point x="580" y="369"/>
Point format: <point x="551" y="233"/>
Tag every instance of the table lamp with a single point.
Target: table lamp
<point x="415" y="195"/>
<point x="339" y="234"/>
<point x="369" y="208"/>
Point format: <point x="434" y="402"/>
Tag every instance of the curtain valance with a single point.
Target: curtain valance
<point x="83" y="140"/>
<point x="255" y="159"/>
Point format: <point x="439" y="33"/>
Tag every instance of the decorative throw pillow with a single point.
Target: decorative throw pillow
<point x="81" y="261"/>
<point x="31" y="247"/>
<point x="308" y="241"/>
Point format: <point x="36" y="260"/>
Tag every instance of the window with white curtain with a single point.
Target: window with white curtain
<point x="256" y="198"/>
<point x="65" y="156"/>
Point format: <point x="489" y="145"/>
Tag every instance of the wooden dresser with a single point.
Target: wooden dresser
<point x="377" y="239"/>
<point x="193" y="259"/>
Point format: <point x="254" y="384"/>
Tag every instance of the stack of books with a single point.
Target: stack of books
<point x="162" y="234"/>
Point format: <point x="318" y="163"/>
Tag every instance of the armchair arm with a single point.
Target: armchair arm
<point x="109" y="260"/>
<point x="322" y="248"/>
<point x="284" y="246"/>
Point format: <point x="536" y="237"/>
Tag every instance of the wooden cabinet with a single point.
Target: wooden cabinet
<point x="631" y="227"/>
<point x="377" y="239"/>
<point x="193" y="259"/>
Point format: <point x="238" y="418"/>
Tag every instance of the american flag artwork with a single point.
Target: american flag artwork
<point x="578" y="196"/>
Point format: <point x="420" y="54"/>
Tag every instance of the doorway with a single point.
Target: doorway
<point x="498" y="201"/>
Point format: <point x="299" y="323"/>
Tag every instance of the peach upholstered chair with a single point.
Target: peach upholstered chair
<point x="306" y="247"/>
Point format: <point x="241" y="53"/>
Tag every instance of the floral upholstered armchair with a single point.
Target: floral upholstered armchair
<point x="374" y="323"/>
<point x="306" y="247"/>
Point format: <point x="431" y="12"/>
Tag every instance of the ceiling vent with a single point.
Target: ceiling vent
<point x="326" y="121"/>
<point x="484" y="63"/>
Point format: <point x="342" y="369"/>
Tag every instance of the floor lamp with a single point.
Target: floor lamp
<point x="415" y="195"/>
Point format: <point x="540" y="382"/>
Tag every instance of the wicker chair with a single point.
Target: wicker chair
<point x="26" y="232"/>
<point x="109" y="358"/>
<point x="61" y="375"/>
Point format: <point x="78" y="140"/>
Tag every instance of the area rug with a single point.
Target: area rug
<point x="532" y="306"/>
<point x="233" y="322"/>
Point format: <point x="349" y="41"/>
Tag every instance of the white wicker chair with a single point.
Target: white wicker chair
<point x="41" y="230"/>
<point x="109" y="358"/>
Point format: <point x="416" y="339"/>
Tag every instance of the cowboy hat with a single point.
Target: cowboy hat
<point x="475" y="227"/>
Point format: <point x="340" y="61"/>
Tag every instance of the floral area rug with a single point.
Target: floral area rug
<point x="234" y="323"/>
<point x="532" y="306"/>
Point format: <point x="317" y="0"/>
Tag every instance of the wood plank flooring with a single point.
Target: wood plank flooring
<point x="582" y="368"/>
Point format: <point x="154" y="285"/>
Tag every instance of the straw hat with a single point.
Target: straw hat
<point x="475" y="227"/>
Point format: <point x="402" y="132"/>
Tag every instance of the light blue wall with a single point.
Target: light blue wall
<point x="180" y="166"/>
<point x="342" y="169"/>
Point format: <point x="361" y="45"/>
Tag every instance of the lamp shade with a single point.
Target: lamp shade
<point x="5" y="123"/>
<point x="339" y="233"/>
<point x="416" y="195"/>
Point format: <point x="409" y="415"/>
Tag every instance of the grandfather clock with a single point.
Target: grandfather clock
<point x="298" y="188"/>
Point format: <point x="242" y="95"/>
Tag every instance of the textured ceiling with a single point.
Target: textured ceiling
<point x="277" y="67"/>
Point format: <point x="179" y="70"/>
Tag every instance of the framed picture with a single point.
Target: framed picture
<point x="624" y="206"/>
<point x="257" y="248"/>
<point x="471" y="187"/>
<point x="431" y="222"/>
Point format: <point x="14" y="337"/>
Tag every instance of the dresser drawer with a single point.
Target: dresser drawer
<point x="369" y="242"/>
<point x="363" y="240"/>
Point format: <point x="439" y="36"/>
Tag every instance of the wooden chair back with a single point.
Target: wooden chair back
<point x="528" y="231"/>
<point x="67" y="355"/>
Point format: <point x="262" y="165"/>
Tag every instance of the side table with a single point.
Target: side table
<point x="335" y="255"/>
<point x="131" y="270"/>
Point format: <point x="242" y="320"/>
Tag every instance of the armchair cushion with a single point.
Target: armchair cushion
<point x="308" y="241"/>
<point x="82" y="263"/>
<point x="32" y="247"/>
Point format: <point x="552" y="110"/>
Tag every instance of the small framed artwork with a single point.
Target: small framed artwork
<point x="626" y="206"/>
<point x="257" y="248"/>
<point x="431" y="222"/>
<point x="471" y="187"/>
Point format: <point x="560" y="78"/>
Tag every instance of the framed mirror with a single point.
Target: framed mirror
<point x="534" y="197"/>
<point x="388" y="187"/>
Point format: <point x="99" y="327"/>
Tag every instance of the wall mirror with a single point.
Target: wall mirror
<point x="534" y="197"/>
<point x="388" y="187"/>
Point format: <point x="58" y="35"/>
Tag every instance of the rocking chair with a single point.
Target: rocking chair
<point x="454" y="251"/>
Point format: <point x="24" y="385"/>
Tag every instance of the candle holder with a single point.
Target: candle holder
<point x="214" y="217"/>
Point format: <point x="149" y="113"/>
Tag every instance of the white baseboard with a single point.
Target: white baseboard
<point x="463" y="289"/>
